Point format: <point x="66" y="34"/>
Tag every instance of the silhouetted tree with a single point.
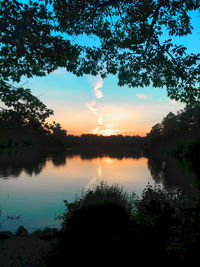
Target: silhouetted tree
<point x="22" y="108"/>
<point x="155" y="133"/>
<point x="28" y="44"/>
<point x="175" y="136"/>
<point x="23" y="120"/>
<point x="36" y="39"/>
<point x="170" y="124"/>
<point x="185" y="121"/>
<point x="189" y="117"/>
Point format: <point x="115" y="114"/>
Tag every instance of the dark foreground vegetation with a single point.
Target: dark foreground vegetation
<point x="106" y="224"/>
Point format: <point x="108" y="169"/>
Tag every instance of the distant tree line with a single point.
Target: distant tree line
<point x="91" y="141"/>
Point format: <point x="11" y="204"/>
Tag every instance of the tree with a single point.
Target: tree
<point x="28" y="44"/>
<point x="36" y="39"/>
<point x="22" y="109"/>
<point x="189" y="117"/>
<point x="28" y="47"/>
<point x="56" y="131"/>
<point x="155" y="133"/>
<point x="170" y="124"/>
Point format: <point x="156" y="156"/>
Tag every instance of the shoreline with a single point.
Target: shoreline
<point x="48" y="232"/>
<point x="25" y="249"/>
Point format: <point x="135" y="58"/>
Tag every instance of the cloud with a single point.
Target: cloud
<point x="141" y="96"/>
<point x="100" y="120"/>
<point x="98" y="85"/>
<point x="90" y="106"/>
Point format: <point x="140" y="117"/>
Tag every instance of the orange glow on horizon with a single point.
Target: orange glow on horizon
<point x="107" y="132"/>
<point x="108" y="160"/>
<point x="110" y="132"/>
<point x="90" y="116"/>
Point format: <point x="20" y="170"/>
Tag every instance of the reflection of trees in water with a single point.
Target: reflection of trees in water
<point x="84" y="154"/>
<point x="35" y="169"/>
<point x="7" y="171"/>
<point x="33" y="162"/>
<point x="171" y="174"/>
<point x="59" y="159"/>
<point x="29" y="162"/>
<point x="163" y="170"/>
<point x="156" y="167"/>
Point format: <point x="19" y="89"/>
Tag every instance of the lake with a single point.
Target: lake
<point x="33" y="187"/>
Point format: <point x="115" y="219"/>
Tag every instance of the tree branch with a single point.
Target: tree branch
<point x="171" y="56"/>
<point x="151" y="27"/>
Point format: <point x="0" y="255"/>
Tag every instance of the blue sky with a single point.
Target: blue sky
<point x="124" y="110"/>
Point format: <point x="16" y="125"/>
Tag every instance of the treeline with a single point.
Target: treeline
<point x="100" y="142"/>
<point x="23" y="121"/>
<point x="174" y="130"/>
<point x="23" y="124"/>
<point x="178" y="137"/>
<point x="35" y="135"/>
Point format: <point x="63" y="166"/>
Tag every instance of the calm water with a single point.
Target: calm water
<point x="32" y="191"/>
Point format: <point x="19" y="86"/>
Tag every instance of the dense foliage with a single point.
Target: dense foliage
<point x="189" y="155"/>
<point x="135" y="41"/>
<point x="21" y="107"/>
<point x="23" y="120"/>
<point x="28" y="44"/>
<point x="176" y="136"/>
<point x="184" y="123"/>
<point x="159" y="226"/>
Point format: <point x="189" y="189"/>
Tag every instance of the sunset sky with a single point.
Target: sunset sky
<point x="124" y="110"/>
<point x="108" y="109"/>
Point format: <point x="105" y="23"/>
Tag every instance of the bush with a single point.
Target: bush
<point x="102" y="194"/>
<point x="107" y="221"/>
<point x="98" y="221"/>
<point x="158" y="205"/>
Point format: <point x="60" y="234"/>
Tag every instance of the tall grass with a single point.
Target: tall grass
<point x="102" y="194"/>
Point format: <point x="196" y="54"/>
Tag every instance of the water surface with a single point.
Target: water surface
<point x="33" y="186"/>
<point x="33" y="196"/>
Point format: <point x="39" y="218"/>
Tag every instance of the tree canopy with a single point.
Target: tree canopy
<point x="174" y="125"/>
<point x="135" y="41"/>
<point x="23" y="104"/>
